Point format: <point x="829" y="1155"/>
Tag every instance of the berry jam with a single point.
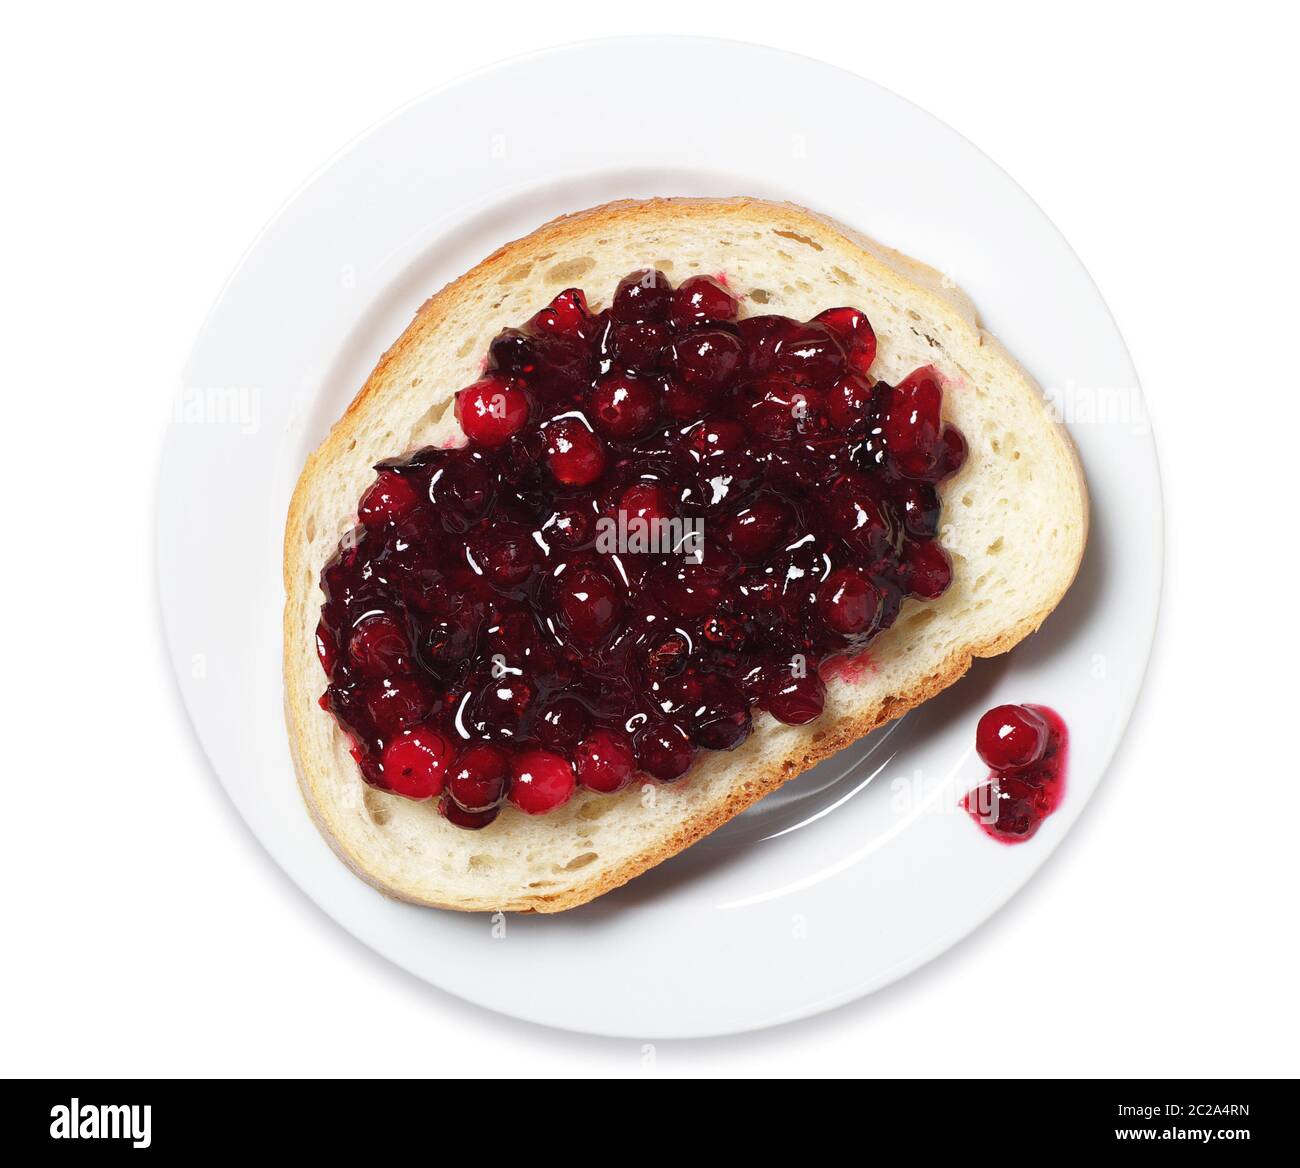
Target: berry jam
<point x="665" y="518"/>
<point x="1027" y="748"/>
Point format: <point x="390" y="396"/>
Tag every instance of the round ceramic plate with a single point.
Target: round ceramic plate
<point x="863" y="868"/>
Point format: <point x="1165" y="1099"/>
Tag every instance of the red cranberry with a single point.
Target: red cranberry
<point x="540" y="781"/>
<point x="416" y="763"/>
<point x="784" y="409"/>
<point x="663" y="750"/>
<point x="512" y="634"/>
<point x="911" y="423"/>
<point x="953" y="455"/>
<point x="567" y="528"/>
<point x="378" y="646"/>
<point x="604" y="760"/>
<point x="757" y="528"/>
<point x="452" y="812"/>
<point x="678" y="695"/>
<point x="927" y="569"/>
<point x="561" y="724"/>
<point x="645" y="295"/>
<point x="692" y="589"/>
<point x="496" y="711"/>
<point x="809" y="353"/>
<point x="512" y="352"/>
<point x="855" y="334"/>
<point x="685" y="402"/>
<point x="701" y="298"/>
<point x="507" y="554"/>
<point x="665" y="654"/>
<point x="794" y="698"/>
<point x="623" y="406"/>
<point x="396" y="703"/>
<point x="918" y="505"/>
<point x="724" y="631"/>
<point x="856" y="513"/>
<point x="449" y="641"/>
<point x="389" y="498"/>
<point x="647" y="501"/>
<point x="567" y="316"/>
<point x="720" y="719"/>
<point x="589" y="605"/>
<point x="478" y="780"/>
<point x="492" y="410"/>
<point x="706" y="359"/>
<point x="849" y="601"/>
<point x="847" y="401"/>
<point x="759" y="335"/>
<point x="790" y="470"/>
<point x="1021" y="806"/>
<point x="461" y="491"/>
<point x="715" y="437"/>
<point x="641" y="346"/>
<point x="1011" y="737"/>
<point x="426" y="592"/>
<point x="574" y="453"/>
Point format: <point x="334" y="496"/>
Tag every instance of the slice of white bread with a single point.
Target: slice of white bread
<point x="1015" y="521"/>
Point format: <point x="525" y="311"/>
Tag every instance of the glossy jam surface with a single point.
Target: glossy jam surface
<point x="665" y="518"/>
<point x="1027" y="748"/>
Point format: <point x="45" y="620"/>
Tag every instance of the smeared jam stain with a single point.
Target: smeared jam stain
<point x="851" y="669"/>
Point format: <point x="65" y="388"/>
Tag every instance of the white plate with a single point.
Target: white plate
<point x="857" y="872"/>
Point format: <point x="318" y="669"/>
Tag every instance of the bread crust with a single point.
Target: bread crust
<point x="301" y="705"/>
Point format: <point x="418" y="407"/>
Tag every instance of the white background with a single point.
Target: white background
<point x="144" y="932"/>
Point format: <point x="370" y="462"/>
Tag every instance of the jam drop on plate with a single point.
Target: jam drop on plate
<point x="1026" y="748"/>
